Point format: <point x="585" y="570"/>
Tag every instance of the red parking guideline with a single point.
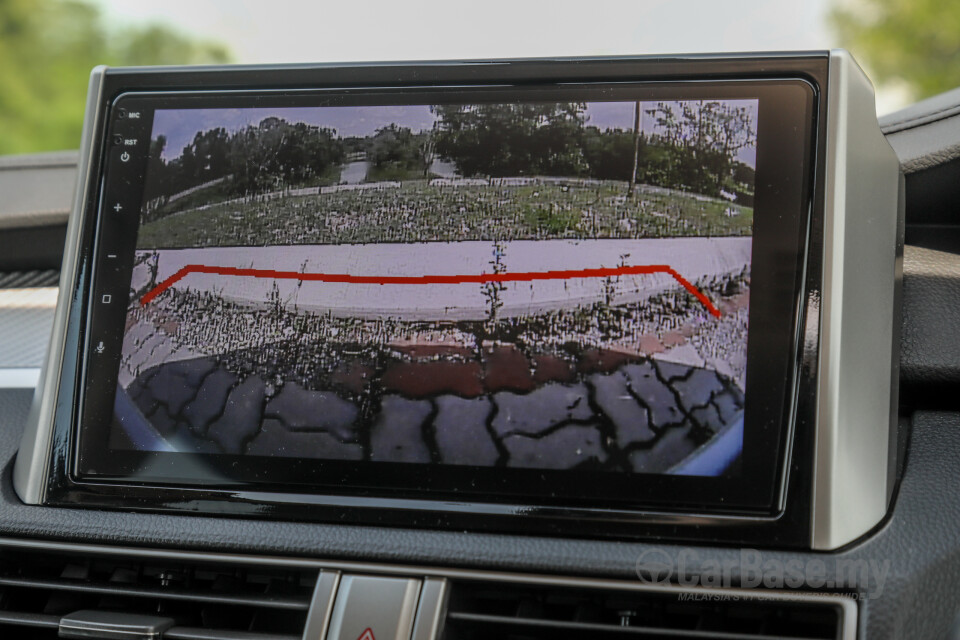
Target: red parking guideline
<point x="483" y="278"/>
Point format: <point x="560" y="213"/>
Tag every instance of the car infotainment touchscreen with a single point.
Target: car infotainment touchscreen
<point x="548" y="294"/>
<point x="624" y="297"/>
<point x="542" y="285"/>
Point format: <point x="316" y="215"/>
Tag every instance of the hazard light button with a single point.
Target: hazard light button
<point x="374" y="608"/>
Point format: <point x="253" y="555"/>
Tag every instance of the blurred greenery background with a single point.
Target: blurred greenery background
<point x="48" y="47"/>
<point x="914" y="44"/>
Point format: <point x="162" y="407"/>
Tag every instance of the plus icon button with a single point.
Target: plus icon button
<point x="117" y="207"/>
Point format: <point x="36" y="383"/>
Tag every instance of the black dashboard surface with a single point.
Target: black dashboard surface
<point x="915" y="598"/>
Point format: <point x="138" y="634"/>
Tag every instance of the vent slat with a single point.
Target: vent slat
<point x="480" y="610"/>
<point x="29" y="279"/>
<point x="207" y="600"/>
<point x="643" y="631"/>
<point x="34" y="620"/>
<point x="195" y="633"/>
<point x="125" y="590"/>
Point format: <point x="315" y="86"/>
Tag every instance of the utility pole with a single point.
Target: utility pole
<point x="636" y="148"/>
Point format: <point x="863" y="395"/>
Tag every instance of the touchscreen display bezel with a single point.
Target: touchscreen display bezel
<point x="784" y="188"/>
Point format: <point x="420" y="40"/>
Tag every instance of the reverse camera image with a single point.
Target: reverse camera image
<point x="533" y="285"/>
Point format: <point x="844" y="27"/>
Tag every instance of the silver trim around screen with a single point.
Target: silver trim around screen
<point x="30" y="469"/>
<point x="857" y="327"/>
<point x="858" y="372"/>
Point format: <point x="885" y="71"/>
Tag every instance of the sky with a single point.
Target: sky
<point x="181" y="125"/>
<point x="307" y="31"/>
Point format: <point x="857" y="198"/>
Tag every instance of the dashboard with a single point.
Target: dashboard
<point x="808" y="506"/>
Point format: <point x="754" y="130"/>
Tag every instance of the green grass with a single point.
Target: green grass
<point x="221" y="192"/>
<point x="549" y="220"/>
<point x="329" y="176"/>
<point x="197" y="198"/>
<point x="419" y="212"/>
<point x="392" y="172"/>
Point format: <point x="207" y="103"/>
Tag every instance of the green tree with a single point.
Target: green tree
<point x="700" y="140"/>
<point x="275" y="154"/>
<point x="158" y="177"/>
<point x="610" y="153"/>
<point x="47" y="49"/>
<point x="395" y="146"/>
<point x="915" y="43"/>
<point x="512" y="139"/>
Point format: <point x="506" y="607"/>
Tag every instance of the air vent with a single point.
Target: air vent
<point x="209" y="602"/>
<point x="29" y="279"/>
<point x="27" y="303"/>
<point x="495" y="610"/>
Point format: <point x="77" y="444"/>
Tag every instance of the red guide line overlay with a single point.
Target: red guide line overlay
<point x="483" y="278"/>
